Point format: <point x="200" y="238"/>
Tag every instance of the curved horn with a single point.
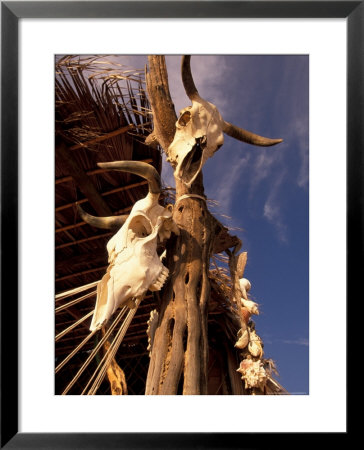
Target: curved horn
<point x="246" y="136"/>
<point x="187" y="79"/>
<point x="108" y="223"/>
<point x="138" y="168"/>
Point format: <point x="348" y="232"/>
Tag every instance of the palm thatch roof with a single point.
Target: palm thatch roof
<point x="103" y="114"/>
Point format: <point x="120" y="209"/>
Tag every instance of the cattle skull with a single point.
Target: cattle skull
<point x="198" y="135"/>
<point x="199" y="132"/>
<point x="134" y="265"/>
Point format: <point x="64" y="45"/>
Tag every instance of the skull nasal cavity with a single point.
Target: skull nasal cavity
<point x="140" y="226"/>
<point x="184" y="118"/>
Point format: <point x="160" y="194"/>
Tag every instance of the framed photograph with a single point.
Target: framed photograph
<point x="308" y="58"/>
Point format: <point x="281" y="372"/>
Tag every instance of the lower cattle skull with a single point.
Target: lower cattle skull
<point x="134" y="265"/>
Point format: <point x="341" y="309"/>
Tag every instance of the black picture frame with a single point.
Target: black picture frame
<point x="11" y="12"/>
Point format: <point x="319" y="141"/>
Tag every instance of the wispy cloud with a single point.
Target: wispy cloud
<point x="269" y="339"/>
<point x="299" y="341"/>
<point x="219" y="78"/>
<point x="226" y="185"/>
<point x="273" y="214"/>
<point x="264" y="165"/>
<point x="296" y="120"/>
<point x="272" y="208"/>
<point x="301" y="127"/>
<point x="209" y="75"/>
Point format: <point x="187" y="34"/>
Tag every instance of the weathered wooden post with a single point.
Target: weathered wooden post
<point x="179" y="353"/>
<point x="178" y="337"/>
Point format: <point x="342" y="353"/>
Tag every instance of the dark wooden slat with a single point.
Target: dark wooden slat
<point x="69" y="235"/>
<point x="83" y="241"/>
<point x="108" y="136"/>
<point x="94" y="257"/>
<point x="78" y="274"/>
<point x="81" y="224"/>
<point x="77" y="316"/>
<point x="103" y="194"/>
<point x="82" y="180"/>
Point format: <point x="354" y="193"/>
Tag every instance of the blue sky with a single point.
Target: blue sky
<point x="264" y="191"/>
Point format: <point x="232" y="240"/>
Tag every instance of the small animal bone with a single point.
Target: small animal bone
<point x="245" y="287"/>
<point x="253" y="373"/>
<point x="251" y="306"/>
<point x="243" y="339"/>
<point x="255" y="345"/>
<point x="152" y="326"/>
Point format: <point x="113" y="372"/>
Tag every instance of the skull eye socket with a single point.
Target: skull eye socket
<point x="191" y="164"/>
<point x="140" y="227"/>
<point x="184" y="118"/>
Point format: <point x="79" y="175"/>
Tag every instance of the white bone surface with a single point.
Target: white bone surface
<point x="134" y="265"/>
<point x="251" y="306"/>
<point x="255" y="344"/>
<point x="253" y="373"/>
<point x="202" y="123"/>
<point x="152" y="326"/>
<point x="243" y="339"/>
<point x="245" y="287"/>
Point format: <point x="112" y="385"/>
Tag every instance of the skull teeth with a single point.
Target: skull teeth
<point x="159" y="282"/>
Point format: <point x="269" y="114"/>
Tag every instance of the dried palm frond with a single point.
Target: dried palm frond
<point x="221" y="305"/>
<point x="102" y="114"/>
<point x="96" y="96"/>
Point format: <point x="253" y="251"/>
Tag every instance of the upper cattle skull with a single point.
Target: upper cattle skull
<point x="198" y="135"/>
<point x="134" y="265"/>
<point x="199" y="132"/>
